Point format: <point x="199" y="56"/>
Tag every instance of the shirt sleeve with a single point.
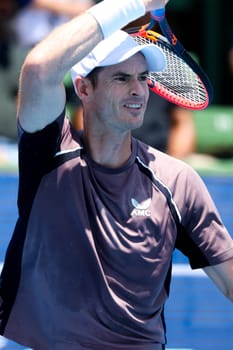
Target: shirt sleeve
<point x="202" y="237"/>
<point x="35" y="153"/>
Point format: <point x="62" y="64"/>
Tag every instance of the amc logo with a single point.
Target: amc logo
<point x="141" y="209"/>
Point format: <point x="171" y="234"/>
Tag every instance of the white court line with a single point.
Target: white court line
<point x="3" y="342"/>
<point x="184" y="270"/>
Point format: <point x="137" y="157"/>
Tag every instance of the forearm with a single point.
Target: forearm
<point x="41" y="90"/>
<point x="222" y="276"/>
<point x="69" y="43"/>
<point x="68" y="8"/>
<point x="62" y="48"/>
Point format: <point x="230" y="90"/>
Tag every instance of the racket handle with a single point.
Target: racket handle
<point x="158" y="14"/>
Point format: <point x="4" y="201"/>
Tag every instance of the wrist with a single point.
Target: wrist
<point x="113" y="15"/>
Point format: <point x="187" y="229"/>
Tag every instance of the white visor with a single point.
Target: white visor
<point x="118" y="48"/>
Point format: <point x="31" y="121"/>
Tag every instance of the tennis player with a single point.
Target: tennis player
<point x="100" y="213"/>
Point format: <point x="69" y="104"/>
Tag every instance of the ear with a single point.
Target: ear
<point x="82" y="87"/>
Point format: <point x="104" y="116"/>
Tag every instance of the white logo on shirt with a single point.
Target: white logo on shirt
<point x="141" y="209"/>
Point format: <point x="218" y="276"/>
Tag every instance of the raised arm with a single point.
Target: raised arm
<point x="41" y="91"/>
<point x="68" y="8"/>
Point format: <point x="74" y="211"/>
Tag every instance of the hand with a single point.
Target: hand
<point x="154" y="4"/>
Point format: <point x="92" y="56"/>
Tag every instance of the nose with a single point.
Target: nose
<point x="137" y="87"/>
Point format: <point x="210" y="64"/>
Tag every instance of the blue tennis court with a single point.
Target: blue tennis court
<point x="198" y="316"/>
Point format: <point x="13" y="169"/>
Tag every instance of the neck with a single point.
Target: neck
<point x="110" y="150"/>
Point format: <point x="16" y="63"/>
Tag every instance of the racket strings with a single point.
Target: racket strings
<point x="178" y="82"/>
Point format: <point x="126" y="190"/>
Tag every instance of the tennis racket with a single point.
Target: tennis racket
<point x="183" y="82"/>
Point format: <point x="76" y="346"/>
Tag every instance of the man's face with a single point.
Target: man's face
<point x="120" y="97"/>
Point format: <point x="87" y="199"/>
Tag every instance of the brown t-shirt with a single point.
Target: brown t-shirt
<point x="95" y="245"/>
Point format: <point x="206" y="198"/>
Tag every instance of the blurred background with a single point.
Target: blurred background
<point x="206" y="29"/>
<point x="199" y="318"/>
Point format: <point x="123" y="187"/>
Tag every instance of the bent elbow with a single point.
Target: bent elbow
<point x="38" y="68"/>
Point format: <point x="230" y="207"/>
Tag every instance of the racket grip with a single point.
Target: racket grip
<point x="158" y="14"/>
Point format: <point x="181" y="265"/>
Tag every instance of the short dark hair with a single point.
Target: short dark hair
<point x="93" y="76"/>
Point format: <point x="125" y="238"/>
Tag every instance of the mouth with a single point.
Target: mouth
<point x="133" y="105"/>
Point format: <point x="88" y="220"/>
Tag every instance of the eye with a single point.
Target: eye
<point x="143" y="77"/>
<point x="121" y="78"/>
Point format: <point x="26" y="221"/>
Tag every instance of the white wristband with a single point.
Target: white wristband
<point x="115" y="14"/>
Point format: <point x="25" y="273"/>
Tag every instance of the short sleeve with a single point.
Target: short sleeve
<point x="202" y="237"/>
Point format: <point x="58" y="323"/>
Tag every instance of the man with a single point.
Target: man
<point x="100" y="213"/>
<point x="166" y="127"/>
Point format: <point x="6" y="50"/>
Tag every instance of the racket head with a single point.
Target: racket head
<point x="181" y="82"/>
